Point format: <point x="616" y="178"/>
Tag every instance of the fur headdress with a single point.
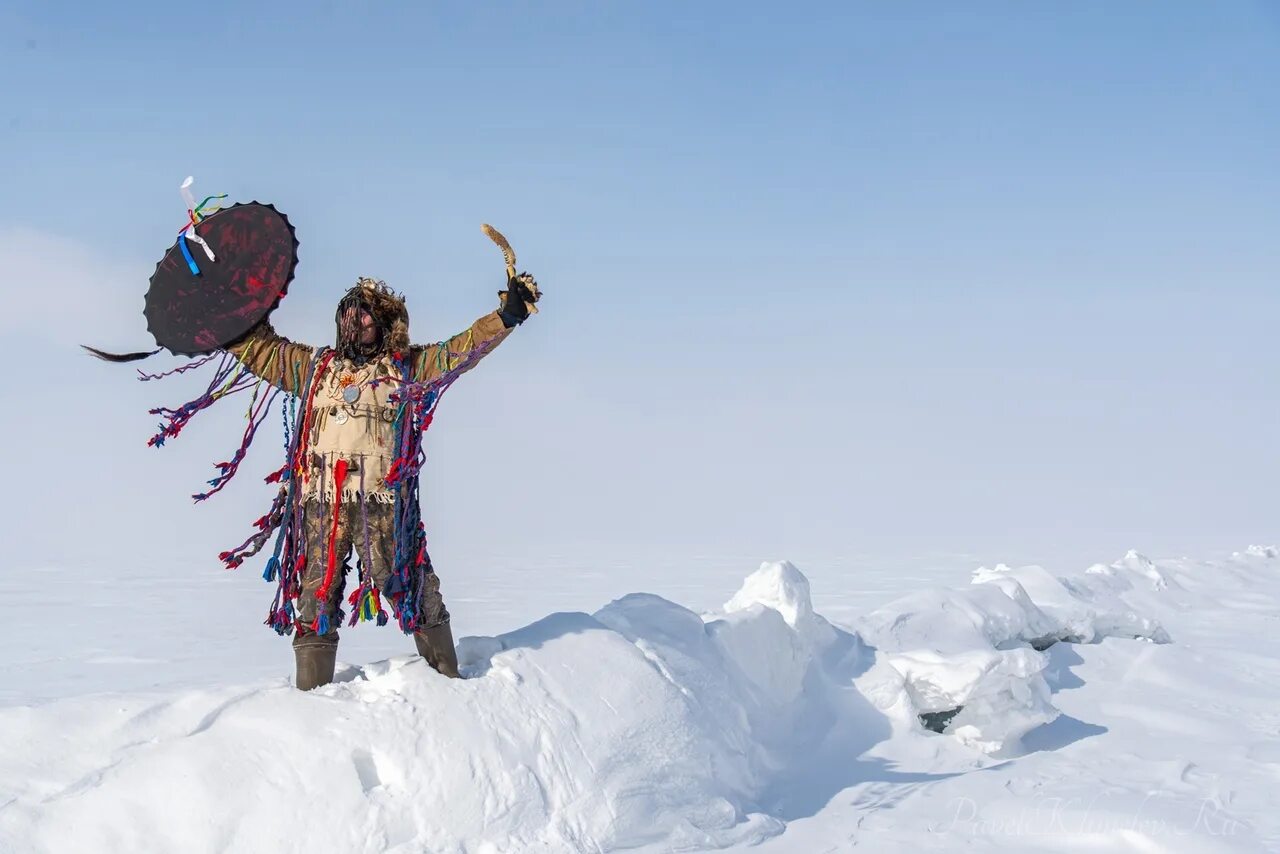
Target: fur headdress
<point x="388" y="310"/>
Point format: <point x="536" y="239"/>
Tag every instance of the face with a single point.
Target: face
<point x="358" y="323"/>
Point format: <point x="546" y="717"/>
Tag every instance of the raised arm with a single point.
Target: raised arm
<point x="463" y="351"/>
<point x="273" y="357"/>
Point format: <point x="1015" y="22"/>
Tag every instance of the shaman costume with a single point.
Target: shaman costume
<point x="353" y="414"/>
<point x="353" y="484"/>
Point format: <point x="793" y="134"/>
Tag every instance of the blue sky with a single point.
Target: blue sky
<point x="988" y="277"/>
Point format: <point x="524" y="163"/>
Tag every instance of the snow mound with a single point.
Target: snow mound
<point x="1133" y="564"/>
<point x="1079" y="609"/>
<point x="641" y="724"/>
<point x="955" y="649"/>
<point x="971" y="659"/>
<point x="783" y="588"/>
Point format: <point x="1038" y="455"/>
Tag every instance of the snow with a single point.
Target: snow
<point x="1130" y="706"/>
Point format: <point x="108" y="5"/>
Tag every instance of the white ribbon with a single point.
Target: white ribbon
<point x="190" y="231"/>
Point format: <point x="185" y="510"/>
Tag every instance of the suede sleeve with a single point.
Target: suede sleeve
<point x="460" y="353"/>
<point x="273" y="357"/>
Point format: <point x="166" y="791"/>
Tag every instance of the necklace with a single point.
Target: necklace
<point x="349" y="382"/>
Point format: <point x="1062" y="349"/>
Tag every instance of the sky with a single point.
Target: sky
<point x="995" y="280"/>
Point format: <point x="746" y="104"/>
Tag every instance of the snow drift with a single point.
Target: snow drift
<point x="973" y="657"/>
<point x="642" y="724"/>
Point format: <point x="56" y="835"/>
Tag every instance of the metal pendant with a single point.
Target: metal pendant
<point x="351" y="393"/>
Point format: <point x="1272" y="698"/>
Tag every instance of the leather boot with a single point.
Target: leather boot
<point x="436" y="646"/>
<point x="315" y="657"/>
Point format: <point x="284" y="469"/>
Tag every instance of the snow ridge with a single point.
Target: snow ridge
<point x="643" y="724"/>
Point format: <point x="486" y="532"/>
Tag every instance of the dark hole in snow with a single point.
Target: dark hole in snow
<point x="937" y="721"/>
<point x="1041" y="644"/>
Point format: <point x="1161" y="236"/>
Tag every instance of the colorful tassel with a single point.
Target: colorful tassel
<point x="286" y="565"/>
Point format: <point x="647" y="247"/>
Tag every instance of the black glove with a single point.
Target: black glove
<point x="522" y="290"/>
